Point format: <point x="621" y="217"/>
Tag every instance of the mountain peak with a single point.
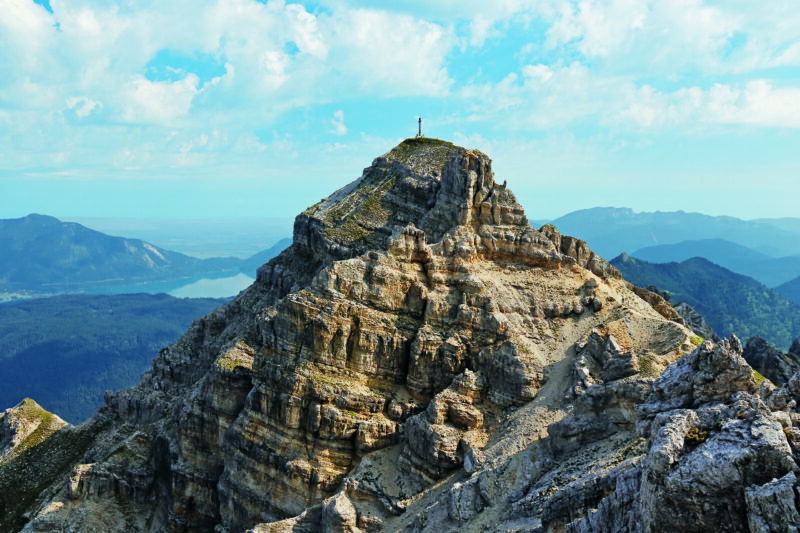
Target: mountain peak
<point x="39" y="219"/>
<point x="446" y="196"/>
<point x="430" y="183"/>
<point x="24" y="426"/>
<point x="423" y="154"/>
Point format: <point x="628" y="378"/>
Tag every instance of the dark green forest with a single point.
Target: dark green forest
<point x="65" y="351"/>
<point x="730" y="302"/>
<point x="791" y="290"/>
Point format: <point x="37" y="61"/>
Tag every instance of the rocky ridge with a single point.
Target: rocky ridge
<point x="422" y="359"/>
<point x="24" y="426"/>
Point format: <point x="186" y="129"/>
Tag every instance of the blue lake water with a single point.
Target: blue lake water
<point x="213" y="288"/>
<point x="221" y="287"/>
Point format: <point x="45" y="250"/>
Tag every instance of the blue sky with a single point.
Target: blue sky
<point x="241" y="108"/>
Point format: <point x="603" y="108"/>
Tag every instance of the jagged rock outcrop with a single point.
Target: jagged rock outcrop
<point x="422" y="359"/>
<point x="711" y="438"/>
<point x="696" y="322"/>
<point x="770" y="362"/>
<point x="794" y="349"/>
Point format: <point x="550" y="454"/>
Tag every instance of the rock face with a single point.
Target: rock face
<point x="696" y="322"/>
<point x="770" y="362"/>
<point x="656" y="299"/>
<point x="422" y="359"/>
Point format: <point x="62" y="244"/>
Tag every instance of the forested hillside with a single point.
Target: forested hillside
<point x="65" y="351"/>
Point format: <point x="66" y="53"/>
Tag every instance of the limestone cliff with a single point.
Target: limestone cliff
<point x="421" y="358"/>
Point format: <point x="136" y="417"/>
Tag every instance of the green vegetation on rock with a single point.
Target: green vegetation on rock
<point x="758" y="377"/>
<point x="696" y="436"/>
<point x="32" y="413"/>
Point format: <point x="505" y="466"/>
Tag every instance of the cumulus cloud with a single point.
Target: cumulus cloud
<point x="159" y="102"/>
<point x="92" y="59"/>
<point x="391" y="54"/>
<point x="75" y="80"/>
<point x="547" y="98"/>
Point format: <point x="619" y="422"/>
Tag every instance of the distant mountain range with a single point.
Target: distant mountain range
<point x="611" y="231"/>
<point x="198" y="237"/>
<point x="43" y="254"/>
<point x="730" y="302"/>
<point x="67" y="350"/>
<point x="768" y="250"/>
<point x="771" y="271"/>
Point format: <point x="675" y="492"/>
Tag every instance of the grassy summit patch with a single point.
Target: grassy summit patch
<point x="361" y="214"/>
<point x="25" y="416"/>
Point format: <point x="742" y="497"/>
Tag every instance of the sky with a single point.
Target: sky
<point x="242" y="108"/>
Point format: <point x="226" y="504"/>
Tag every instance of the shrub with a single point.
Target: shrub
<point x="695" y="437"/>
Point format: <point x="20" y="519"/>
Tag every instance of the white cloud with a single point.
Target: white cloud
<point x="630" y="65"/>
<point x="82" y="105"/>
<point x="757" y="103"/>
<point x="540" y="72"/>
<point x="391" y="55"/>
<point x="547" y="98"/>
<point x="754" y="103"/>
<point x="666" y="35"/>
<point x="159" y="101"/>
<point x="338" y="123"/>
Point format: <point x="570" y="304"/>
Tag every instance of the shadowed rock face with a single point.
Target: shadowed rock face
<point x="696" y="321"/>
<point x="418" y="332"/>
<point x="770" y="362"/>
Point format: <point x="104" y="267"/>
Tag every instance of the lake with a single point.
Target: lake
<point x="213" y="288"/>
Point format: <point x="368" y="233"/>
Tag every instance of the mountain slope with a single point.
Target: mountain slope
<point x="39" y="252"/>
<point x="613" y="231"/>
<point x="422" y="359"/>
<point x="791" y="290"/>
<point x="773" y="364"/>
<point x="24" y="426"/>
<point x="249" y="265"/>
<point x="719" y="251"/>
<point x="730" y="302"/>
<point x="197" y="237"/>
<point x="66" y="351"/>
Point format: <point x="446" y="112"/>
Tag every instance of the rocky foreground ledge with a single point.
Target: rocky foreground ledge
<point x="422" y="359"/>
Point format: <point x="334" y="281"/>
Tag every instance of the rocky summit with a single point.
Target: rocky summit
<point x="422" y="359"/>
